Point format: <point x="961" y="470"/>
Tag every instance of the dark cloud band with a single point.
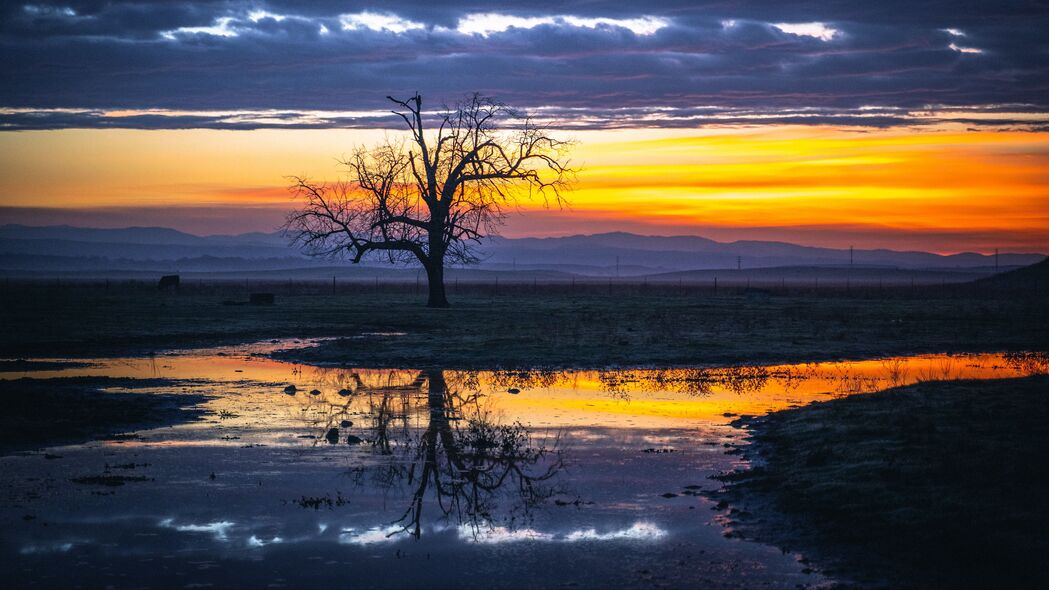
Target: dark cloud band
<point x="587" y="64"/>
<point x="1018" y="117"/>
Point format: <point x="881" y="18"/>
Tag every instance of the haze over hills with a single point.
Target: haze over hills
<point x="27" y="250"/>
<point x="658" y="253"/>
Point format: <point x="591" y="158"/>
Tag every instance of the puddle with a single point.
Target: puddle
<point x="405" y="478"/>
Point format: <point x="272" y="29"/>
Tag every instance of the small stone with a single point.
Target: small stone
<point x="315" y="392"/>
<point x="333" y="436"/>
<point x="513" y="390"/>
<point x="345" y="392"/>
<point x="290" y="390"/>
<point x="346" y="424"/>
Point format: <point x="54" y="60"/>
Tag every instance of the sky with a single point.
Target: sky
<point x="907" y="125"/>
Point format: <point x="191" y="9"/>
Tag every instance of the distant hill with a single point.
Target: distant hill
<point x="138" y="243"/>
<point x="134" y="235"/>
<point x="1035" y="274"/>
<point x="39" y="250"/>
<point x="647" y="254"/>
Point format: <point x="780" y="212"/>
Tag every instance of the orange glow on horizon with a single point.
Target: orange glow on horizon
<point x="885" y="185"/>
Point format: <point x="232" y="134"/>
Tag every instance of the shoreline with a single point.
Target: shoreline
<point x="936" y="484"/>
<point x="323" y="358"/>
<point x="49" y="412"/>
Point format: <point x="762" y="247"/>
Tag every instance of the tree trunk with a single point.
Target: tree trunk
<point x="435" y="282"/>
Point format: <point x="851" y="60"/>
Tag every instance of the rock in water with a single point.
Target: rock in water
<point x="345" y="392"/>
<point x="346" y="424"/>
<point x="290" y="390"/>
<point x="315" y="392"/>
<point x="353" y="440"/>
<point x="513" y="390"/>
<point x="333" y="436"/>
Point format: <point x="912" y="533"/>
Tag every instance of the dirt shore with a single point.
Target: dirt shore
<point x="934" y="485"/>
<point x="47" y="412"/>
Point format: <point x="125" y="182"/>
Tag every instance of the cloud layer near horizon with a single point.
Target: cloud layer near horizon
<point x="243" y="64"/>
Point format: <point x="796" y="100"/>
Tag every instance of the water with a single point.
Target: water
<point x="407" y="478"/>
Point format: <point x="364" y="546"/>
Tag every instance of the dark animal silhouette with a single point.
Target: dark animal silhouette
<point x="168" y="282"/>
<point x="261" y="299"/>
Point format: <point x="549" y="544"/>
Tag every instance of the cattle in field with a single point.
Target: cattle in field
<point x="261" y="299"/>
<point x="168" y="282"/>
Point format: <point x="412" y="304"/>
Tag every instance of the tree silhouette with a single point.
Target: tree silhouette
<point x="434" y="196"/>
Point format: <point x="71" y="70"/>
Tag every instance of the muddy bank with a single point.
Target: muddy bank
<point x="29" y="366"/>
<point x="47" y="412"/>
<point x="938" y="484"/>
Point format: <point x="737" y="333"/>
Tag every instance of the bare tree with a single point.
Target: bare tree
<point x="435" y="196"/>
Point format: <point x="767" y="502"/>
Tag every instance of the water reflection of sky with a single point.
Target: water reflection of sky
<point x="253" y="492"/>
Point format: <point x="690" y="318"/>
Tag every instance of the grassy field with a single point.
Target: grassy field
<point x="935" y="485"/>
<point x="530" y="329"/>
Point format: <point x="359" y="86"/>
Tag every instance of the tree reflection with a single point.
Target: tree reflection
<point x="692" y="381"/>
<point x="1030" y="363"/>
<point x="447" y="451"/>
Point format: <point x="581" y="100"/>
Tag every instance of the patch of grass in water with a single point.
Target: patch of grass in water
<point x="109" y="480"/>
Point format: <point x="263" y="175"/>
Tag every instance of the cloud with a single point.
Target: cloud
<point x="377" y="21"/>
<point x="961" y="49"/>
<point x="1013" y="116"/>
<point x="815" y="30"/>
<point x="485" y="24"/>
<point x="588" y="59"/>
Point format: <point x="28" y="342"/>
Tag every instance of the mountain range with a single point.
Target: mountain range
<point x="63" y="249"/>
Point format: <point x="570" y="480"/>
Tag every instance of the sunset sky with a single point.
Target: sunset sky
<point x="901" y="125"/>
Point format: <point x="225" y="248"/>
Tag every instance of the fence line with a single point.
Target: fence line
<point x="578" y="286"/>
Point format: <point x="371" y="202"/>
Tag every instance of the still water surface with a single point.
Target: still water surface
<point x="420" y="478"/>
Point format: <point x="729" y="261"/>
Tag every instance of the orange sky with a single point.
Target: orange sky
<point x="942" y="190"/>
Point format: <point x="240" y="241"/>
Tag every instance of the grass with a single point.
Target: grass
<point x="47" y="412"/>
<point x="934" y="485"/>
<point x="521" y="331"/>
